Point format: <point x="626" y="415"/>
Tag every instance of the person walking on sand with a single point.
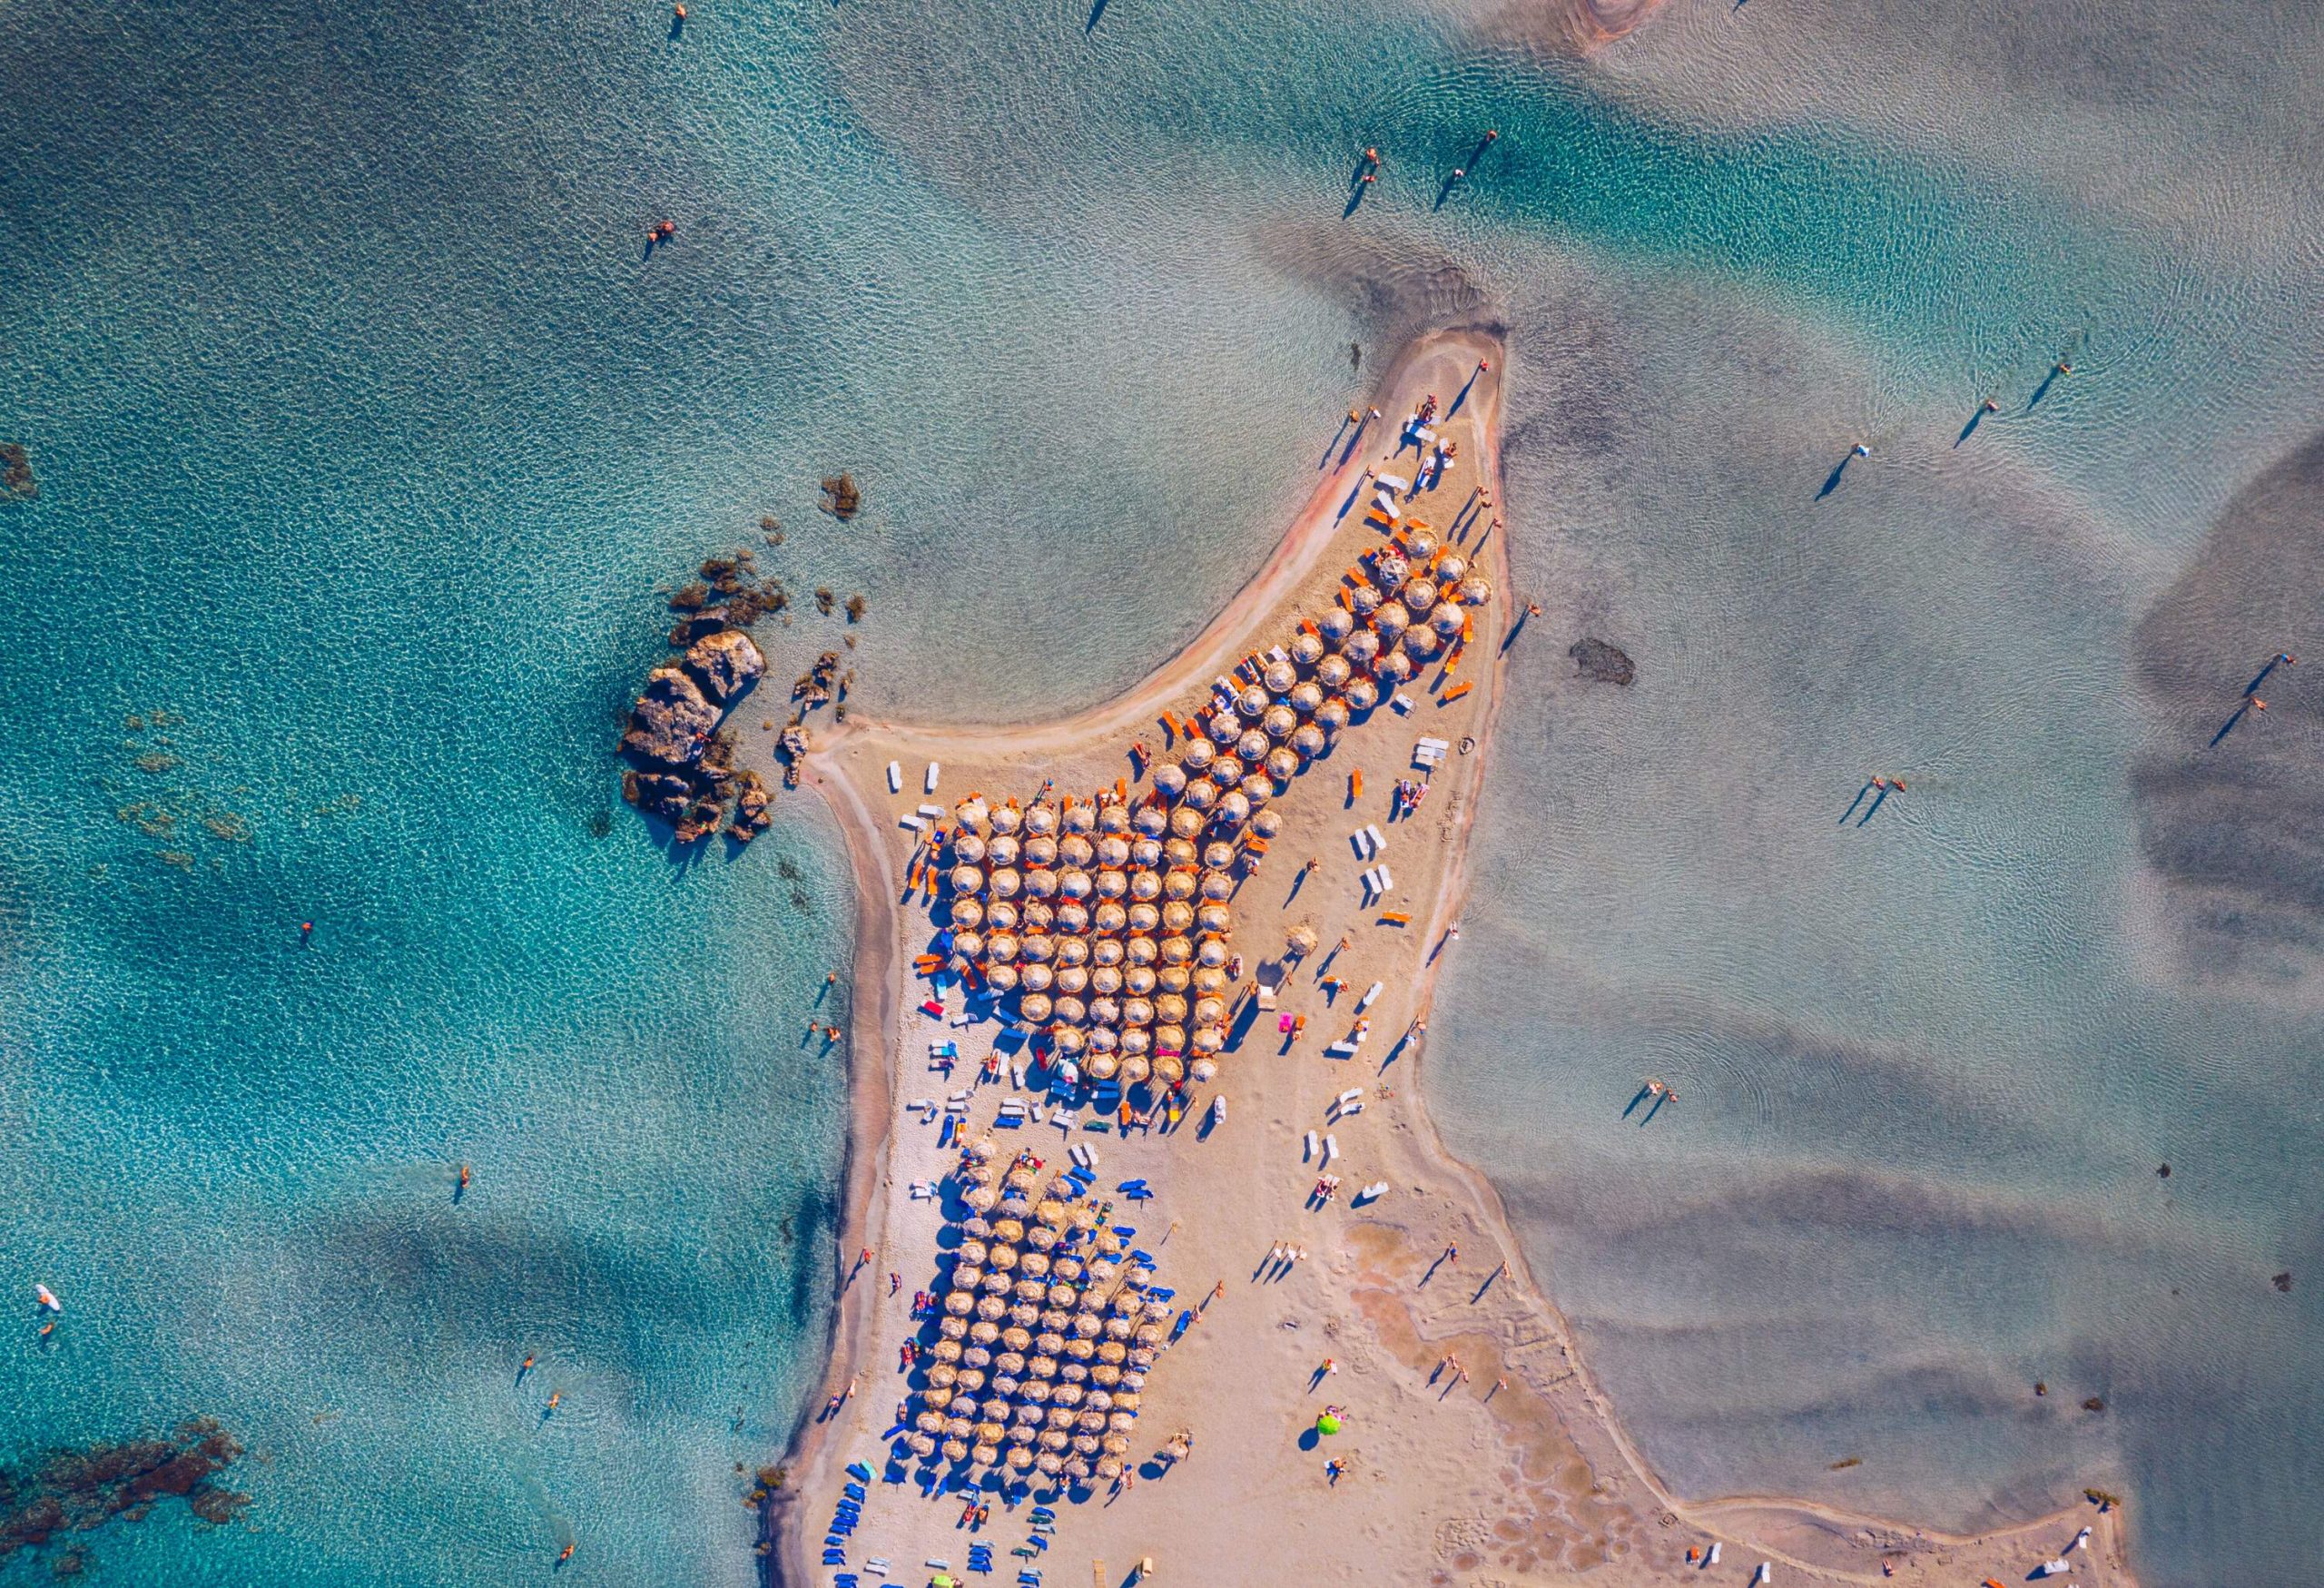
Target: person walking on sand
<point x="1452" y="1254"/>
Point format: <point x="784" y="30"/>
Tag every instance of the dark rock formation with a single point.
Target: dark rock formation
<point x="725" y="663"/>
<point x="1602" y="661"/>
<point x="78" y="1491"/>
<point x="671" y="722"/>
<point x="840" y="498"/>
<point x="751" y="802"/>
<point x="17" y="471"/>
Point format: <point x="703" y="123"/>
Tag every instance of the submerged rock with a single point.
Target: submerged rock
<point x="725" y="663"/>
<point x="672" y="721"/>
<point x="17" y="471"/>
<point x="751" y="802"/>
<point x="1600" y="662"/>
<point x="840" y="498"/>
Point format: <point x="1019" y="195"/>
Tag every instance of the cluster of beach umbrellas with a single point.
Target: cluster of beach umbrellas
<point x="1109" y="918"/>
<point x="1043" y="1340"/>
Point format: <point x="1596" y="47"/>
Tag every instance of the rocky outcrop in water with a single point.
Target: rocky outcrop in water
<point x="75" y="1492"/>
<point x="1602" y="661"/>
<point x="671" y="722"/>
<point x="725" y="663"/>
<point x="17" y="471"/>
<point x="681" y="765"/>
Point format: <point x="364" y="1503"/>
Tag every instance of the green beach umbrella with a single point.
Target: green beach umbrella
<point x="1328" y="1423"/>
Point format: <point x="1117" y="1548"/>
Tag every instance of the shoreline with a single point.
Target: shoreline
<point x="1558" y="1419"/>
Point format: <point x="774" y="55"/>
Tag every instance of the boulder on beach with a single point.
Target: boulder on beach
<point x="1602" y="661"/>
<point x="672" y="721"/>
<point x="725" y="663"/>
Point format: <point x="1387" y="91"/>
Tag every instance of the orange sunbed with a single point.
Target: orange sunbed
<point x="1308" y="625"/>
<point x="1457" y="691"/>
<point x="1356" y="786"/>
<point x="1121" y="788"/>
<point x="1256" y="845"/>
<point x="1394" y="918"/>
<point x="1468" y="625"/>
<point x="1341" y="596"/>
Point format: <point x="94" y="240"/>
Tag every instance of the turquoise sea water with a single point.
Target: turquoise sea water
<point x="366" y="432"/>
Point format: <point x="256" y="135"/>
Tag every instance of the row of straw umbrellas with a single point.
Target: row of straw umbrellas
<point x="1043" y="1342"/>
<point x="1111" y="920"/>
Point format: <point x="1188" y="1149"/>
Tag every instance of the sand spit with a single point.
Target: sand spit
<point x="1473" y="1448"/>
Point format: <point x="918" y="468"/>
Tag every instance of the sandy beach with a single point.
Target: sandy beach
<point x="1473" y="1448"/>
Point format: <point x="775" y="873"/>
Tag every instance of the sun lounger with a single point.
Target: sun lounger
<point x="922" y="1190"/>
<point x="1379" y="845"/>
<point x="1352" y="1109"/>
<point x="1453" y="694"/>
<point x="1385" y="504"/>
<point x="1371" y="1193"/>
<point x="1331" y="1149"/>
<point x="911" y="823"/>
<point x="856" y="1469"/>
<point x="1370" y="993"/>
<point x="1401" y="704"/>
<point x="1350" y="1095"/>
<point x="895" y="777"/>
<point x="1392" y="482"/>
<point x="933" y="812"/>
<point x="1340" y="1049"/>
<point x="935" y="771"/>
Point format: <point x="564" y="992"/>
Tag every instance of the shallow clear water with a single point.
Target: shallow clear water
<point x="366" y="432"/>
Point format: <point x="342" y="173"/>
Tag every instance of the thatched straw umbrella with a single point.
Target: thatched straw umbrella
<point x="1253" y="747"/>
<point x="1362" y="648"/>
<point x="1215" y="918"/>
<point x="1102" y="1066"/>
<point x="1422" y="643"/>
<point x="1050" y="1463"/>
<point x="1168" y="1069"/>
<point x="1278" y="722"/>
<point x="949" y="1351"/>
<point x="1186" y="821"/>
<point x="996" y="1283"/>
<point x="985" y="1455"/>
<point x="1040" y="886"/>
<point x="984" y="1332"/>
<point x="937" y="1398"/>
<point x="1024" y="1314"/>
<point x="1015" y="1338"/>
<point x="1141" y="1358"/>
<point x="1473" y="591"/>
<point x="1018" y="1458"/>
<point x="1106" y="1375"/>
<point x="1395" y="667"/>
<point x="1003" y="849"/>
<point x="1363" y="695"/>
<point x="1332" y="716"/>
<point x="922" y="1445"/>
<point x="992" y="1308"/>
<point x="928" y="1423"/>
<point x="954" y="1328"/>
<point x="1115" y="1443"/>
<point x="1121" y="1422"/>
<point x="1072" y="916"/>
<point x="955" y="1450"/>
<point x="1042" y="1367"/>
<point x="1202" y="1069"/>
<point x="1136" y="1068"/>
<point x="1109" y="1467"/>
<point x="1078" y="1350"/>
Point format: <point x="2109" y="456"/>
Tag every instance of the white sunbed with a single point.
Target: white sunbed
<point x="911" y="823"/>
<point x="1401" y="703"/>
<point x="1370" y="993"/>
<point x="1308" y="1152"/>
<point x="1378" y="843"/>
<point x="895" y="777"/>
<point x="1350" y="1110"/>
<point x="933" y="812"/>
<point x="1330" y="1149"/>
<point x="1350" y="1095"/>
<point x="1361" y="840"/>
<point x="935" y="770"/>
<point x="1371" y="1193"/>
<point x="1391" y="482"/>
<point x="1340" y="1049"/>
